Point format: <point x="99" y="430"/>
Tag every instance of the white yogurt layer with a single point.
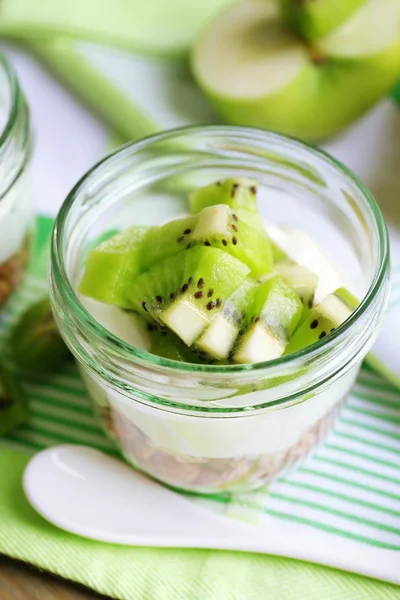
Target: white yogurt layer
<point x="264" y="433"/>
<point x="220" y="437"/>
<point x="125" y="325"/>
<point x="15" y="215"/>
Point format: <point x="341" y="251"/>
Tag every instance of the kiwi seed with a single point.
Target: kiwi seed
<point x="310" y="304"/>
<point x="219" y="302"/>
<point x="202" y="354"/>
<point x="187" y="231"/>
<point x="230" y="355"/>
<point x="234" y="217"/>
<point x="164" y="333"/>
<point x="210" y="305"/>
<point x="218" y="183"/>
<point x="184" y="288"/>
<point x="314" y="324"/>
<point x="225" y="243"/>
<point x="333" y="329"/>
<point x="234" y="240"/>
<point x="256" y="320"/>
<point x="210" y="293"/>
<point x="207" y="243"/>
<point x="198" y="295"/>
<point x="234" y="227"/>
<point x="234" y="188"/>
<point x="188" y="246"/>
<point x="172" y="296"/>
<point x="180" y="239"/>
<point x="150" y="327"/>
<point x="159" y="299"/>
<point x="253" y="189"/>
<point x="200" y="283"/>
<point x="190" y="280"/>
<point x="322" y="335"/>
<point x="144" y="306"/>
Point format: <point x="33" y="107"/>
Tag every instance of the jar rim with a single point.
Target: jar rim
<point x="145" y="358"/>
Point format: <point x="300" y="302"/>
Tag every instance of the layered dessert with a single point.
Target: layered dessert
<point x="15" y="235"/>
<point x="216" y="288"/>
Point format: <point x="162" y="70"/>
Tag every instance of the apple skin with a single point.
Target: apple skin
<point x="312" y="19"/>
<point x="326" y="95"/>
<point x="323" y="100"/>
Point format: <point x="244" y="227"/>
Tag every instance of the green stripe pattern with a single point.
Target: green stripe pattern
<point x="350" y="486"/>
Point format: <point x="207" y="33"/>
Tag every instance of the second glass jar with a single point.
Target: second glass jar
<point x="16" y="209"/>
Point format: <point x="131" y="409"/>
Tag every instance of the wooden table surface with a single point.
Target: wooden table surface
<point x="21" y="582"/>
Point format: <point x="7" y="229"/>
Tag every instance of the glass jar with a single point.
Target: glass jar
<point x="208" y="428"/>
<point x="16" y="209"/>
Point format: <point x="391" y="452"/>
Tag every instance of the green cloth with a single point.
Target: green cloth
<point x="163" y="574"/>
<point x="150" y="26"/>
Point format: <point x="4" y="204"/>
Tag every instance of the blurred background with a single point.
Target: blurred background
<point x="93" y="71"/>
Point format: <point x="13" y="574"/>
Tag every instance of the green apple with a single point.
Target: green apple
<point x="257" y="71"/>
<point x="312" y="19"/>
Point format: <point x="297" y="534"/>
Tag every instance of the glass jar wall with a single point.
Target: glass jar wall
<point x="214" y="428"/>
<point x="16" y="211"/>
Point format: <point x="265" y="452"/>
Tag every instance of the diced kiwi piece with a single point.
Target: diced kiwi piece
<point x="222" y="228"/>
<point x="215" y="226"/>
<point x="278" y="255"/>
<point x="240" y="193"/>
<point x="166" y="344"/>
<point x="347" y="297"/>
<point x="13" y="403"/>
<point x="36" y="341"/>
<point x="303" y="281"/>
<point x="100" y="239"/>
<point x="186" y="291"/>
<point x="219" y="337"/>
<point x="272" y="318"/>
<point x="322" y="320"/>
<point x="112" y="265"/>
<point x="158" y="287"/>
<point x="166" y="240"/>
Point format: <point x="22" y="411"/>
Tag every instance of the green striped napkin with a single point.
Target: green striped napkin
<point x="349" y="491"/>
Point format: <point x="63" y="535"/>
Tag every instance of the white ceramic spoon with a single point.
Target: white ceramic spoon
<point x="91" y="494"/>
<point x="95" y="496"/>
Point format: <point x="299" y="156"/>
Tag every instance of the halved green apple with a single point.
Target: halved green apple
<point x="258" y="71"/>
<point x="312" y="19"/>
